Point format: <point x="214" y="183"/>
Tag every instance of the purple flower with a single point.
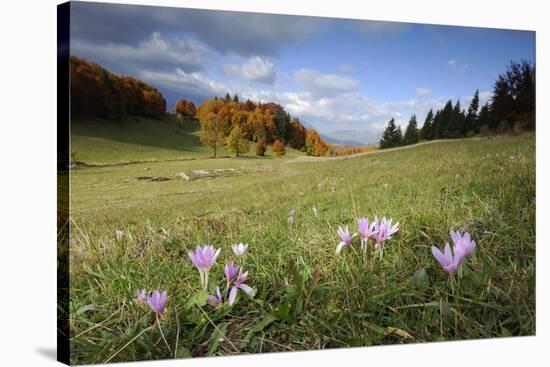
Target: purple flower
<point x="230" y="271"/>
<point x="448" y="262"/>
<point x="216" y="300"/>
<point x="345" y="238"/>
<point x="157" y="301"/>
<point x="204" y="258"/>
<point x="141" y="296"/>
<point x="239" y="249"/>
<point x="365" y="230"/>
<point x="384" y="230"/>
<point x="239" y="284"/>
<point x="463" y="244"/>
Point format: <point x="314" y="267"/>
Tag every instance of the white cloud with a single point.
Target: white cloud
<point x="155" y="52"/>
<point x="194" y="84"/>
<point x="456" y="66"/>
<point x="255" y="69"/>
<point x="324" y="85"/>
<point x="422" y="92"/>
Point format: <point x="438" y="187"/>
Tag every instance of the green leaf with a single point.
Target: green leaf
<point x="282" y="312"/>
<point x="420" y="278"/>
<point x="260" y="326"/>
<point x="217" y="336"/>
<point x="183" y="352"/>
<point x="198" y="299"/>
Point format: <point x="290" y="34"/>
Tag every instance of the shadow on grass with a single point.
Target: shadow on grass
<point x="164" y="133"/>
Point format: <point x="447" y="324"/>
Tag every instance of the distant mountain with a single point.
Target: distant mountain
<point x="353" y="138"/>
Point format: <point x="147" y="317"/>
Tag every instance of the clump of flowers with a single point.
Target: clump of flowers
<point x="380" y="230"/>
<point x="203" y="258"/>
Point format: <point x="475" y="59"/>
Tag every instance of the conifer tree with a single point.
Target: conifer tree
<point x="411" y="133"/>
<point x="470" y="122"/>
<point x="391" y="137"/>
<point x="427" y="129"/>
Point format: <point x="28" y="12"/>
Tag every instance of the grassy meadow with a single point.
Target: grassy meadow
<point x="485" y="186"/>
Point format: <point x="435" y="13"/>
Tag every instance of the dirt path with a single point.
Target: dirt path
<point x="317" y="159"/>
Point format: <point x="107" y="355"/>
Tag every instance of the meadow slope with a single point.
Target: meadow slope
<point x="484" y="186"/>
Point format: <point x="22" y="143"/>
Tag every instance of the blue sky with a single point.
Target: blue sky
<point x="335" y="74"/>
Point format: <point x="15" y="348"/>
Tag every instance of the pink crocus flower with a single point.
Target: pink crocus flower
<point x="463" y="244"/>
<point x="365" y="230"/>
<point x="203" y="258"/>
<point x="216" y="300"/>
<point x="239" y="284"/>
<point x="239" y="249"/>
<point x="157" y="301"/>
<point x="345" y="238"/>
<point x="141" y="296"/>
<point x="448" y="262"/>
<point x="230" y="271"/>
<point x="384" y="230"/>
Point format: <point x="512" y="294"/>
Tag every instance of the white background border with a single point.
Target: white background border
<point x="28" y="180"/>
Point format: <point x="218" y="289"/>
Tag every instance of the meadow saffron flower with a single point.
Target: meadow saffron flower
<point x="384" y="230"/>
<point x="157" y="301"/>
<point x="239" y="284"/>
<point x="216" y="300"/>
<point x="230" y="271"/>
<point x="203" y="258"/>
<point x="240" y="249"/>
<point x="141" y="296"/>
<point x="365" y="230"/>
<point x="463" y="244"/>
<point x="291" y="217"/>
<point x="448" y="262"/>
<point x="345" y="238"/>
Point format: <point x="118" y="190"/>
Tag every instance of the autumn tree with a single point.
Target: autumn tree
<point x="278" y="148"/>
<point x="212" y="133"/>
<point x="260" y="147"/>
<point x="236" y="142"/>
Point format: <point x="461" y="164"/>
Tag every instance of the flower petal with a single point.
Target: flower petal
<point x="232" y="295"/>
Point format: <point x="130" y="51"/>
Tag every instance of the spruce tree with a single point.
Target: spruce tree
<point x="411" y="134"/>
<point x="445" y="120"/>
<point x="391" y="136"/>
<point x="426" y="132"/>
<point x="483" y="118"/>
<point x="470" y="122"/>
<point x="456" y="122"/>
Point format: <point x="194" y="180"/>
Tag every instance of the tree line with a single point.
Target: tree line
<point x="511" y="108"/>
<point x="235" y="124"/>
<point x="98" y="93"/>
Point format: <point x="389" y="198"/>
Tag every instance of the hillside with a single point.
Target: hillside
<point x="140" y="139"/>
<point x="484" y="186"/>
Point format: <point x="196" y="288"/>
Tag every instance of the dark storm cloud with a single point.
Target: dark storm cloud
<point x="245" y="34"/>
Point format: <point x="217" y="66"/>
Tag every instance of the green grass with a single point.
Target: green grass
<point x="484" y="186"/>
<point x="140" y="139"/>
